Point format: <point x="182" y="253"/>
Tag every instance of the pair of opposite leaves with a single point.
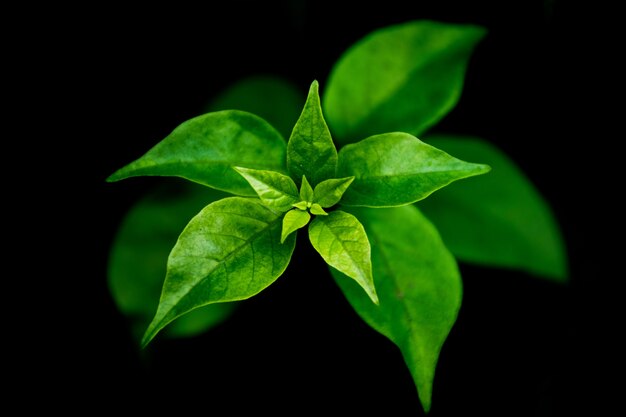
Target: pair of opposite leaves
<point x="418" y="69"/>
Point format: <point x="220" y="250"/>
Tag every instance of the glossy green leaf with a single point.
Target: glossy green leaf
<point x="229" y="251"/>
<point x="328" y="193"/>
<point x="204" y="148"/>
<point x="499" y="219"/>
<point x="394" y="169"/>
<point x="306" y="191"/>
<point x="294" y="220"/>
<point x="311" y="150"/>
<point x="272" y="98"/>
<point x="276" y="190"/>
<point x="342" y="242"/>
<point x="403" y="77"/>
<point x="419" y="286"/>
<point x="138" y="257"/>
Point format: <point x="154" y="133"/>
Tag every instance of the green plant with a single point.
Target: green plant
<point x="365" y="206"/>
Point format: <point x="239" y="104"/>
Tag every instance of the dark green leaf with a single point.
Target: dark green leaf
<point x="419" y="286"/>
<point x="342" y="242"/>
<point x="276" y="190"/>
<point x="272" y="98"/>
<point x="294" y="220"/>
<point x="311" y="150"/>
<point x="204" y="149"/>
<point x="403" y="77"/>
<point x="500" y="219"/>
<point x="394" y="169"/>
<point x="138" y="257"/>
<point x="328" y="193"/>
<point x="229" y="251"/>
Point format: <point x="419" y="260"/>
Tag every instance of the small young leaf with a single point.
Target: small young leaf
<point x="419" y="286"/>
<point x="328" y="193"/>
<point x="306" y="191"/>
<point x="403" y="77"/>
<point x="342" y="242"/>
<point x="394" y="169"/>
<point x="204" y="148"/>
<point x="500" y="219"/>
<point x="229" y="251"/>
<point x="138" y="257"/>
<point x="311" y="150"/>
<point x="276" y="190"/>
<point x="302" y="205"/>
<point x="317" y="210"/>
<point x="294" y="220"/>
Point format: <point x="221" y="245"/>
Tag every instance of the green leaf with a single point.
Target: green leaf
<point x="302" y="205"/>
<point x="294" y="220"/>
<point x="403" y="77"/>
<point x="328" y="193"/>
<point x="306" y="191"/>
<point x="229" y="251"/>
<point x="204" y="148"/>
<point x="394" y="169"/>
<point x="318" y="210"/>
<point x="500" y="219"/>
<point x="276" y="190"/>
<point x="419" y="286"/>
<point x="274" y="99"/>
<point x="138" y="256"/>
<point x="342" y="242"/>
<point x="311" y="150"/>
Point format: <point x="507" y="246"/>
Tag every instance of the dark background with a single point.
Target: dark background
<point x="112" y="81"/>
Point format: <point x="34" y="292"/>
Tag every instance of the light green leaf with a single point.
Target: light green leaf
<point x="318" y="210"/>
<point x="276" y="190"/>
<point x="302" y="205"/>
<point x="328" y="193"/>
<point x="342" y="242"/>
<point x="138" y="256"/>
<point x="404" y="77"/>
<point x="272" y="98"/>
<point x="306" y="191"/>
<point x="229" y="251"/>
<point x="394" y="169"/>
<point x="294" y="220"/>
<point x="203" y="149"/>
<point x="311" y="150"/>
<point x="500" y="219"/>
<point x="419" y="286"/>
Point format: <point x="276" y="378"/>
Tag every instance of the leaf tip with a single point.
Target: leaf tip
<point x="116" y="176"/>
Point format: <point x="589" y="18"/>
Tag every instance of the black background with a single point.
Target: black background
<point x="109" y="82"/>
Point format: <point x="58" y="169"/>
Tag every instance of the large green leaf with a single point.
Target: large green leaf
<point x="394" y="169"/>
<point x="342" y="242"/>
<point x="311" y="150"/>
<point x="229" y="251"/>
<point x="418" y="284"/>
<point x="138" y="257"/>
<point x="275" y="99"/>
<point x="500" y="219"/>
<point x="403" y="77"/>
<point x="203" y="149"/>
